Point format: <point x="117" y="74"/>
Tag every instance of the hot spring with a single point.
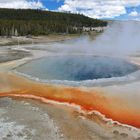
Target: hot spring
<point x="77" y="68"/>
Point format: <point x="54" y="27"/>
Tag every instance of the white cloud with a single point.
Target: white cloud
<point x="134" y="14"/>
<point x="98" y="8"/>
<point x="21" y="4"/>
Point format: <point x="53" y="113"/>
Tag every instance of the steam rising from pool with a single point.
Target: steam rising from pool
<point x="120" y="39"/>
<point x="75" y="65"/>
<point x="77" y="68"/>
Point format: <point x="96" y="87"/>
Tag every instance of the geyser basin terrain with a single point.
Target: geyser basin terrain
<point x="77" y="68"/>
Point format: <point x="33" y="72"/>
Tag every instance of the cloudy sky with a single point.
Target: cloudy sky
<point x="102" y="9"/>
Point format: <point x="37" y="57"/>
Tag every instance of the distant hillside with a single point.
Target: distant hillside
<point x="38" y="22"/>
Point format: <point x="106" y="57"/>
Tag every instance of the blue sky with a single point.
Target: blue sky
<point x="101" y="9"/>
<point x="52" y="4"/>
<point x="132" y="11"/>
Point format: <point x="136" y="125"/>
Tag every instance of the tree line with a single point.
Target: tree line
<point x="21" y="22"/>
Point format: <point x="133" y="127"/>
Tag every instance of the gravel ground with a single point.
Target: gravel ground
<point x="32" y="120"/>
<point x="21" y="120"/>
